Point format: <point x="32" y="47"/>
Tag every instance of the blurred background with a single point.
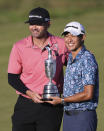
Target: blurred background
<point x="13" y="13"/>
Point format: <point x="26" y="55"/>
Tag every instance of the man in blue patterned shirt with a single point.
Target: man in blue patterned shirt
<point x="81" y="83"/>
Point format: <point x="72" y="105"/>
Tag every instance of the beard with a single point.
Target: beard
<point x="39" y="34"/>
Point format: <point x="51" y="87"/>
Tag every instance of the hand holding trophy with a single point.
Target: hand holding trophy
<point x="50" y="90"/>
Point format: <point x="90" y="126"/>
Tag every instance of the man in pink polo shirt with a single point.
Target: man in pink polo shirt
<point x="26" y="74"/>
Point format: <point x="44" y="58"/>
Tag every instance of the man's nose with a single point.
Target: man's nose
<point x="69" y="38"/>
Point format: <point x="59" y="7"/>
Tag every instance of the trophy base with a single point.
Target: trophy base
<point x="50" y="91"/>
<point x="46" y="97"/>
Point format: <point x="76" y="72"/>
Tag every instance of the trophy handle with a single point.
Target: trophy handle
<point x="49" y="52"/>
<point x="56" y="46"/>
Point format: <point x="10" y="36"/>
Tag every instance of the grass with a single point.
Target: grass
<point x="12" y="29"/>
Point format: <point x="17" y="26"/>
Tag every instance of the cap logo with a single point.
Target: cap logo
<point x="35" y="16"/>
<point x="46" y="19"/>
<point x="71" y="26"/>
<point x="75" y="28"/>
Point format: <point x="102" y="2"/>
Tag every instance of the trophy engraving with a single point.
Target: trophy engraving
<point x="50" y="69"/>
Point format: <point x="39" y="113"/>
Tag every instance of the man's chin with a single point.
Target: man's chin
<point x="36" y="36"/>
<point x="71" y="49"/>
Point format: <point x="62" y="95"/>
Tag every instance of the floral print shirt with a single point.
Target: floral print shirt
<point x="81" y="71"/>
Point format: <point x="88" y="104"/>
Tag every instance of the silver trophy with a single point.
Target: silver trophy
<point x="50" y="69"/>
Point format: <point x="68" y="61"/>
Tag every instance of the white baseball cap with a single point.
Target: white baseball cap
<point x="75" y="28"/>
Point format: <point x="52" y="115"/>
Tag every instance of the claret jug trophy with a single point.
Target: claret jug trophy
<point x="50" y="90"/>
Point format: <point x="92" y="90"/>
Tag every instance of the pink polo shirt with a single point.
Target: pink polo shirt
<point x="28" y="60"/>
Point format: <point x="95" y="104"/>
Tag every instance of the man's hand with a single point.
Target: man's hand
<point x="55" y="100"/>
<point x="34" y="96"/>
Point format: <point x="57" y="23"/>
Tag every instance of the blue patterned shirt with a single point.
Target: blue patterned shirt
<point x="82" y="71"/>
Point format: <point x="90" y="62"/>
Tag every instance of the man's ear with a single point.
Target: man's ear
<point x="48" y="24"/>
<point x="84" y="37"/>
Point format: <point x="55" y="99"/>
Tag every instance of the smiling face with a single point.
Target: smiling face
<point x="73" y="43"/>
<point x="38" y="31"/>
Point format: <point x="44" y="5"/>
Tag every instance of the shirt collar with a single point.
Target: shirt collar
<point x="80" y="53"/>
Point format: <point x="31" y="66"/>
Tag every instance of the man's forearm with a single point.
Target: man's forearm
<point x="16" y="83"/>
<point x="87" y="94"/>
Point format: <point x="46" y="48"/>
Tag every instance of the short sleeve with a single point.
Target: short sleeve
<point x="14" y="64"/>
<point x="89" y="72"/>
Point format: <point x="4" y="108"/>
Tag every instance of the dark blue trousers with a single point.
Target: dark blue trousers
<point x="83" y="121"/>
